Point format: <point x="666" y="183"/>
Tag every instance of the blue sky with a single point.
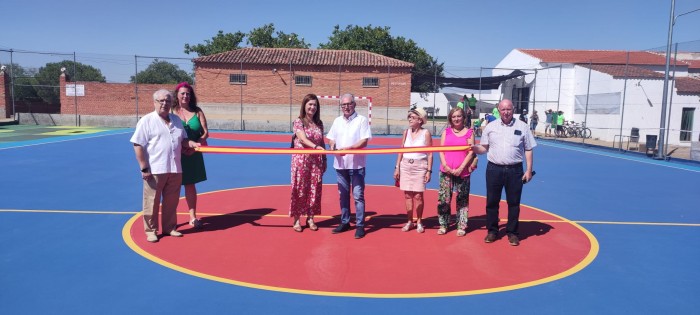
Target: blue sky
<point x="465" y="35"/>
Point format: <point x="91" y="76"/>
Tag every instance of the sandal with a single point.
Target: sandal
<point x="297" y="226"/>
<point x="195" y="223"/>
<point x="420" y="228"/>
<point x="310" y="223"/>
<point x="461" y="232"/>
<point x="442" y="230"/>
<point x="407" y="227"/>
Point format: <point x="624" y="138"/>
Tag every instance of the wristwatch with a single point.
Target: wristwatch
<point x="145" y="169"/>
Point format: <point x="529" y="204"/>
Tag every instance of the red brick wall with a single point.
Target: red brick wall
<point x="110" y="98"/>
<point x="265" y="87"/>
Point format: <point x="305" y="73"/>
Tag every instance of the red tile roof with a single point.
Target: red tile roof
<point x="688" y="86"/>
<point x="693" y="64"/>
<point x="311" y="57"/>
<point x="620" y="71"/>
<point x="618" y="57"/>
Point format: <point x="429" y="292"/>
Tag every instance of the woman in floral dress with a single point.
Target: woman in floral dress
<point x="307" y="169"/>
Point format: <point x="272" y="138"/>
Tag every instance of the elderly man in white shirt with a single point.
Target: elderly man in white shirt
<point x="158" y="142"/>
<point x="350" y="131"/>
<point x="508" y="141"/>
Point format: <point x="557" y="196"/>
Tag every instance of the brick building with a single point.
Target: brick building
<point x="274" y="76"/>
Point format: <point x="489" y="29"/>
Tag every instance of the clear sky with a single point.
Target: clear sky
<point x="465" y="35"/>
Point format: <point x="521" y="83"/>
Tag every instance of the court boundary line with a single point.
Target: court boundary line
<point x="36" y="142"/>
<point x="695" y="169"/>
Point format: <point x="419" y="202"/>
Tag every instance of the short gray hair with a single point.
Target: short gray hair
<point x="162" y="92"/>
<point x="348" y="95"/>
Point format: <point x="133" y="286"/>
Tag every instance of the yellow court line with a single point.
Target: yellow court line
<point x="380" y="217"/>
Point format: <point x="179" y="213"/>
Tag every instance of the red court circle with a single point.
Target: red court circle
<point x="247" y="240"/>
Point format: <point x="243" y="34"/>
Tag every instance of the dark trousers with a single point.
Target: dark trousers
<point x="497" y="178"/>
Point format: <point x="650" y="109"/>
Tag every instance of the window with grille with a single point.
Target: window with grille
<point x="238" y="79"/>
<point x="370" y="82"/>
<point x="302" y="80"/>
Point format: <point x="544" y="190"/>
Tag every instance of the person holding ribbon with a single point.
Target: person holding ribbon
<point x="350" y="131"/>
<point x="195" y="124"/>
<point x="455" y="170"/>
<point x="307" y="169"/>
<point x="413" y="170"/>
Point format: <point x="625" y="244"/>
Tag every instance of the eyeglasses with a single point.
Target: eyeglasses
<point x="164" y="101"/>
<point x="346" y="104"/>
<point x="413" y="117"/>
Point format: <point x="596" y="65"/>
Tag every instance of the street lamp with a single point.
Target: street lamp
<point x="662" y="127"/>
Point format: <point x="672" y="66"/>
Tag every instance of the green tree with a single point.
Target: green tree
<point x="47" y="77"/>
<point x="218" y="44"/>
<point x="379" y="40"/>
<point x="263" y="37"/>
<point x="24" y="82"/>
<point x="162" y="72"/>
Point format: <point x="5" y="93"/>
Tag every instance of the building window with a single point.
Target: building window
<point x="687" y="124"/>
<point x="238" y="79"/>
<point x="370" y="82"/>
<point x="302" y="80"/>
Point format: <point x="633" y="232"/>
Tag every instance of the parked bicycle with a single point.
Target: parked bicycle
<point x="573" y="129"/>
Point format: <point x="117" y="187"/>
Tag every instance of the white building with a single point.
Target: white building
<point x="624" y="91"/>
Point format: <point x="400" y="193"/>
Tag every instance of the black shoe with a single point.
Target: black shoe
<point x="513" y="240"/>
<point x="359" y="232"/>
<point x="490" y="238"/>
<point x="341" y="228"/>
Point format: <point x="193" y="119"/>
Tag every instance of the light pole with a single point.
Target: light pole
<point x="662" y="127"/>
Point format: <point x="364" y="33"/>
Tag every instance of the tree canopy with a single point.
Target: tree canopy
<point x="47" y="77"/>
<point x="24" y="80"/>
<point x="162" y="72"/>
<point x="218" y="44"/>
<point x="379" y="40"/>
<point x="373" y="39"/>
<point x="263" y="37"/>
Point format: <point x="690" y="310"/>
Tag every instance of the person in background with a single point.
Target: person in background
<point x="350" y="131"/>
<point x="461" y="102"/>
<point x="159" y="140"/>
<point x="548" y="123"/>
<point x="560" y="124"/>
<point x="307" y="169"/>
<point x="195" y="124"/>
<point x="523" y="116"/>
<point x="534" y="119"/>
<point x="413" y="170"/>
<point x="508" y="142"/>
<point x="472" y="104"/>
<point x="455" y="170"/>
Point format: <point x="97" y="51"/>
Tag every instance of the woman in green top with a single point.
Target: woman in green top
<point x="195" y="124"/>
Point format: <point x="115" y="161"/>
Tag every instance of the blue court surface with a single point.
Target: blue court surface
<point x="65" y="201"/>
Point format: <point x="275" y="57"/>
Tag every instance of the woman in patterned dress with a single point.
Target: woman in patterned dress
<point x="195" y="124"/>
<point x="307" y="169"/>
<point x="455" y="168"/>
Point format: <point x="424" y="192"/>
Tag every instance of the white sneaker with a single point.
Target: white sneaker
<point x="175" y="233"/>
<point x="151" y="237"/>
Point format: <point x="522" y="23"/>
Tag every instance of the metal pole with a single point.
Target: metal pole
<point x="588" y="95"/>
<point x="534" y="95"/>
<point x="15" y="116"/>
<point x="291" y="78"/>
<point x="559" y="92"/>
<point x="388" y="97"/>
<point x="241" y="97"/>
<point x="477" y="102"/>
<point x="670" y="101"/>
<point x="624" y="96"/>
<point x="136" y="85"/>
<point x="434" y="93"/>
<point x="75" y="87"/>
<point x="662" y="125"/>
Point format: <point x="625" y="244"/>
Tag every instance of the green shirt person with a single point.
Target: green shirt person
<point x="472" y="102"/>
<point x="495" y="113"/>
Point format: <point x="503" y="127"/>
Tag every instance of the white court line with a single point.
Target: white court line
<point x="78" y="137"/>
<point x="612" y="155"/>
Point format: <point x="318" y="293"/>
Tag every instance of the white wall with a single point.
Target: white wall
<point x="638" y="95"/>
